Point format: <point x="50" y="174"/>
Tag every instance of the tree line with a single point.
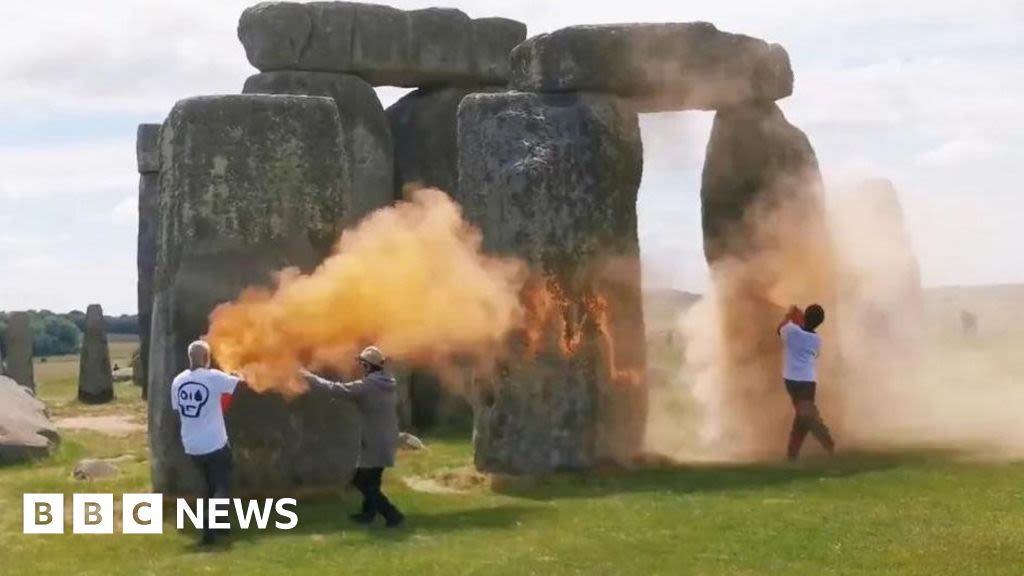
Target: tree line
<point x="54" y="334"/>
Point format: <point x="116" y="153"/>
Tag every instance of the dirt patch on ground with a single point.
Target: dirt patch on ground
<point x="113" y="425"/>
<point x="453" y="481"/>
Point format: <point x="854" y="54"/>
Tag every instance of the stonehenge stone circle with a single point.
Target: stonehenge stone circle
<point x="538" y="140"/>
<point x="364" y="128"/>
<point x="250" y="184"/>
<point x="553" y="179"/>
<point x="148" y="153"/>
<point x="95" y="379"/>
<point x="26" y="432"/>
<point x="18" y="342"/>
<point x="678" y="66"/>
<point x="381" y="44"/>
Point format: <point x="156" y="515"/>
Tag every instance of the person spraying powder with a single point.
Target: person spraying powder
<point x="802" y="346"/>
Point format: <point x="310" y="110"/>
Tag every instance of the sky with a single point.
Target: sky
<point x="922" y="92"/>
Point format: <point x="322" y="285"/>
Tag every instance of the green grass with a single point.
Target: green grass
<point x="924" y="513"/>
<point x="860" y="514"/>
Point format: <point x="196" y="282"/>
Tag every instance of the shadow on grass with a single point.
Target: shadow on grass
<point x="683" y="479"/>
<point x="326" y="518"/>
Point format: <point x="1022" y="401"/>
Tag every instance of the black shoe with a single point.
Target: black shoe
<point x="361" y="518"/>
<point x="395" y="520"/>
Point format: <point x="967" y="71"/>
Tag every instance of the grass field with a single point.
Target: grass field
<point x="927" y="513"/>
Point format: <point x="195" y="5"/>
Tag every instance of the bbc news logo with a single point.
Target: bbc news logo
<point x="144" y="513"/>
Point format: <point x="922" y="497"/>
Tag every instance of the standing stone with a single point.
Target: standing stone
<point x="553" y="179"/>
<point x="250" y="184"/>
<point x="18" y="342"/>
<point x="364" y="128"/>
<point x="767" y="246"/>
<point x="381" y="44"/>
<point x="95" y="379"/>
<point x="881" y="304"/>
<point x="672" y="66"/>
<point x="424" y="127"/>
<point x="147" y="146"/>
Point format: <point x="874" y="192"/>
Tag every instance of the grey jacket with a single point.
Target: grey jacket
<point x="377" y="399"/>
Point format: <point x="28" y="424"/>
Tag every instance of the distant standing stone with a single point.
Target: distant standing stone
<point x="95" y="379"/>
<point x="19" y="350"/>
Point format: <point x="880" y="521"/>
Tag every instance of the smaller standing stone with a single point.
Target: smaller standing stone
<point x="95" y="380"/>
<point x="19" y="350"/>
<point x="147" y="150"/>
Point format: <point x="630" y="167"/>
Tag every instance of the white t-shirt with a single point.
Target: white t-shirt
<point x="195" y="395"/>
<point x="802" y="349"/>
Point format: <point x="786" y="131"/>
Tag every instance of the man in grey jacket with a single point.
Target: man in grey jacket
<point x="376" y="397"/>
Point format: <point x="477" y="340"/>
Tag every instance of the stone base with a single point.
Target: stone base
<point x="99" y="398"/>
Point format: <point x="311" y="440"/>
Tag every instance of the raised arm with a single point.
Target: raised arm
<point x="340" y="389"/>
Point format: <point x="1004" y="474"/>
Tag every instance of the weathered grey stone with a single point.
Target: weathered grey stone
<point x="147" y="148"/>
<point x="18" y="342"/>
<point x="274" y="34"/>
<point x="383" y="45"/>
<point x="678" y="66"/>
<point x="364" y="128"/>
<point x="25" y="430"/>
<point x="410" y="442"/>
<point x="493" y="41"/>
<point x="432" y="405"/>
<point x="249" y="184"/>
<point x="553" y="179"/>
<point x="93" y="469"/>
<point x="148" y="153"/>
<point x="145" y="260"/>
<point x="753" y="153"/>
<point x="424" y="128"/>
<point x="767" y="245"/>
<point x="95" y="378"/>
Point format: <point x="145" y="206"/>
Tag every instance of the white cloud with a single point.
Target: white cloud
<point x="33" y="171"/>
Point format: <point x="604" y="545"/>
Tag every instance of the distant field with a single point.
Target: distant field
<point x="57" y="376"/>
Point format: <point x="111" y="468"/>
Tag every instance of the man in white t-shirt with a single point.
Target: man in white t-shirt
<point x="802" y="346"/>
<point x="196" y="397"/>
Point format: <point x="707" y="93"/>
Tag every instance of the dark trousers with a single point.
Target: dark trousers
<point x="367" y="481"/>
<point x="806" y="418"/>
<point x="215" y="468"/>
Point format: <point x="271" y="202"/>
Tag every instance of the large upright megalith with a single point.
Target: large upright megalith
<point x="553" y="179"/>
<point x="767" y="245"/>
<point x="250" y="184"/>
<point x="18" y="342"/>
<point x="95" y="378"/>
<point x="147" y="150"/>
